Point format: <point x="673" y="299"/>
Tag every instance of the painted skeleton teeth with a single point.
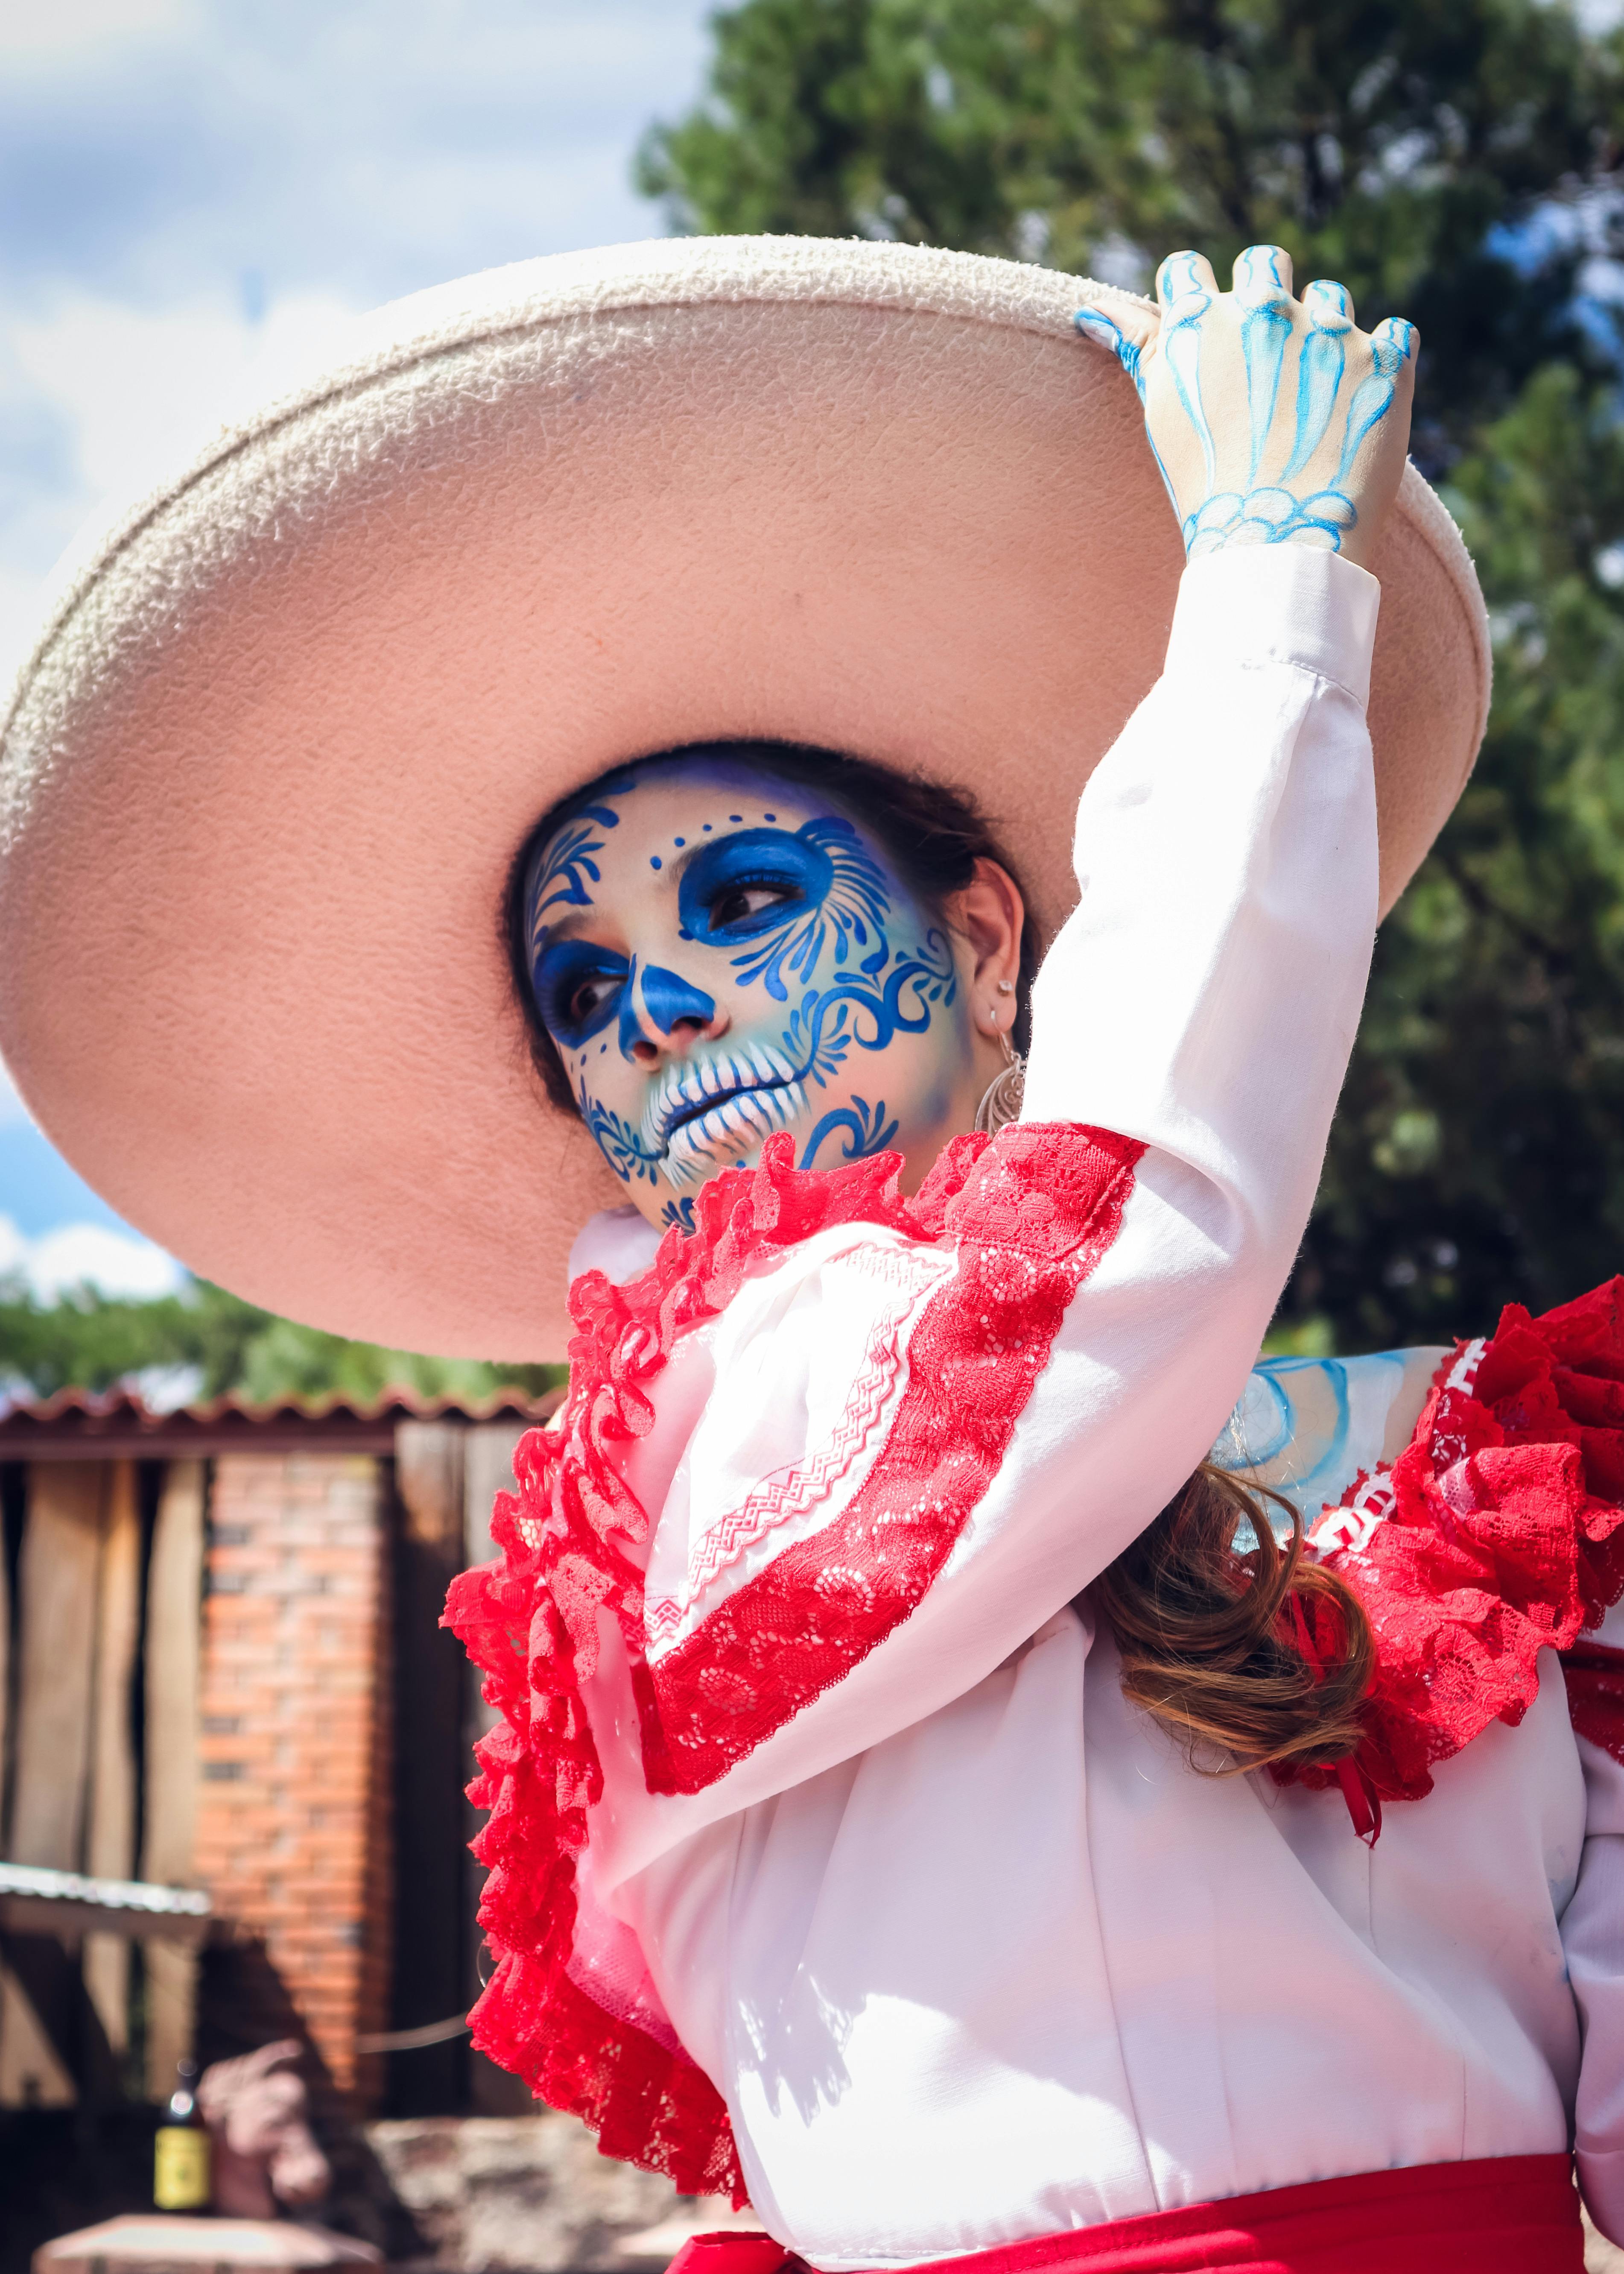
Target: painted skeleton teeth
<point x="706" y="1108"/>
<point x="693" y="1091"/>
<point x="732" y="1128"/>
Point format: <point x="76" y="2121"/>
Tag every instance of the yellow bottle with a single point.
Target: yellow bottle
<point x="180" y="2160"/>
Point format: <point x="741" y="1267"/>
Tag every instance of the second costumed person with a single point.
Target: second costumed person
<point x="986" y="1771"/>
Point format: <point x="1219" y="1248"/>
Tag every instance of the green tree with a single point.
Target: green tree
<point x="88" y="1341"/>
<point x="1388" y="143"/>
<point x="1479" y="1156"/>
<point x="1452" y="159"/>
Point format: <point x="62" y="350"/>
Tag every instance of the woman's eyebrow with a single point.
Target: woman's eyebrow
<point x="679" y="867"/>
<point x="566" y="926"/>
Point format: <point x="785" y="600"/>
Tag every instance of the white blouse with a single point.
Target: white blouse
<point x="968" y="1949"/>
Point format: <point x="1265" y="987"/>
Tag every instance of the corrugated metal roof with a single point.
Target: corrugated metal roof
<point x="120" y="1422"/>
<point x="400" y="1403"/>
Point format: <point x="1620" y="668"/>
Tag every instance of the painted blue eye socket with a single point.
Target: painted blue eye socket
<point x="577" y="986"/>
<point x="749" y="884"/>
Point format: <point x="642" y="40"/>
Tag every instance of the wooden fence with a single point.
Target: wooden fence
<point x="221" y="1663"/>
<point x="98" y="1742"/>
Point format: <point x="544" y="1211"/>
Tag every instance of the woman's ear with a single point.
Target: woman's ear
<point x="990" y="915"/>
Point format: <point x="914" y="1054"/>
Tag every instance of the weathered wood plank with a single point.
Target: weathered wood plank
<point x="56" y="1578"/>
<point x="58" y="1575"/>
<point x="31" y="2074"/>
<point x="487" y="1470"/>
<point x="109" y="1835"/>
<point x="428" y="1477"/>
<point x="5" y="1677"/>
<point x="431" y="1766"/>
<point x="174" y="1632"/>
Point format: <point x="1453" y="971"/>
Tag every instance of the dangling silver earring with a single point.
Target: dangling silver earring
<point x="1001" y="1102"/>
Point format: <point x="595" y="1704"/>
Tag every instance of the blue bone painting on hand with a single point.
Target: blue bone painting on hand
<point x="716" y="955"/>
<point x="1310" y="442"/>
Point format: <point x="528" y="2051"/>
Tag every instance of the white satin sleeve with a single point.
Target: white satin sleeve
<point x="1036" y="1383"/>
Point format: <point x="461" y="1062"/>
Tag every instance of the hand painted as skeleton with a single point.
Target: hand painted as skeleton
<point x="1273" y="420"/>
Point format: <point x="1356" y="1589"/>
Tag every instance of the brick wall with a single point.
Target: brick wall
<point x="292" y="1832"/>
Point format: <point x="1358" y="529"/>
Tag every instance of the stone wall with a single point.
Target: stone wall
<point x="533" y="2193"/>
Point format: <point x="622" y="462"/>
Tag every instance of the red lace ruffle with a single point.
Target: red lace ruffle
<point x="1029" y="1217"/>
<point x="1495" y="1535"/>
<point x="1034" y="1217"/>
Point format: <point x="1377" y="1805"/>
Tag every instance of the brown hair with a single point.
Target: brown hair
<point x="1208" y="1640"/>
<point x="1199" y="1623"/>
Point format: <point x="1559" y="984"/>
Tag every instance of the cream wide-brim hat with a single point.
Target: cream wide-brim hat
<point x="291" y="715"/>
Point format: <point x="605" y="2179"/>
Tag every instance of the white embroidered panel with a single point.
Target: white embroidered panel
<point x="815" y="1358"/>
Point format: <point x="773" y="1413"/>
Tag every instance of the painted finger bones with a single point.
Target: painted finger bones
<point x="1249" y="457"/>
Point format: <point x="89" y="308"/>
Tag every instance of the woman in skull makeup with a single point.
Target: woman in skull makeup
<point x="952" y="1786"/>
<point x="889" y="1858"/>
<point x="712" y="945"/>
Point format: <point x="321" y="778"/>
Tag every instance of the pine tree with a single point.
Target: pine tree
<point x="1450" y="159"/>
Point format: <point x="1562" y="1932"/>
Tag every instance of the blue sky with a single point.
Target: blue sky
<point x="192" y="190"/>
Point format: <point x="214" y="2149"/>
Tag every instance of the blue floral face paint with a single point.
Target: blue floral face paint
<point x="716" y="956"/>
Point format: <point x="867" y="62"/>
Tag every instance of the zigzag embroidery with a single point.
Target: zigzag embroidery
<point x="1448" y="1444"/>
<point x="794" y="1491"/>
<point x="1349" y="1524"/>
<point x="1349" y="1527"/>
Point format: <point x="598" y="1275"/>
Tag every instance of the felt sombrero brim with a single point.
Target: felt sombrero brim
<point x="291" y="717"/>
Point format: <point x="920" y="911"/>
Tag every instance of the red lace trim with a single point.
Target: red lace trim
<point x="1031" y="1214"/>
<point x="1030" y="1225"/>
<point x="1500" y="1537"/>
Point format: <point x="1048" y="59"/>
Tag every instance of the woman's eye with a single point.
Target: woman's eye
<point x="737" y="904"/>
<point x="740" y="888"/>
<point x="577" y="986"/>
<point x="589" y="997"/>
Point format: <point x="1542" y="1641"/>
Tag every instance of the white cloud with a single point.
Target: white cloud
<point x="32" y="35"/>
<point x="135" y="391"/>
<point x="194" y="194"/>
<point x="192" y="190"/>
<point x="166" y="1389"/>
<point x="140" y="387"/>
<point x="376" y="144"/>
<point x="87" y="1255"/>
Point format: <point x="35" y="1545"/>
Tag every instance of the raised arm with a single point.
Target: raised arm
<point x="863" y="1450"/>
<point x="908" y="1453"/>
<point x="899" y="1454"/>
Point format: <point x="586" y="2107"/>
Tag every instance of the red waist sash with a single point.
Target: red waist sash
<point x="1503" y="2215"/>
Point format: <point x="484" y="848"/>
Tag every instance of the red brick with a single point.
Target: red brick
<point x="296" y="1847"/>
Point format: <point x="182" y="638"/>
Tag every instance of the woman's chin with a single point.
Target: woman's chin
<point x="689" y="1166"/>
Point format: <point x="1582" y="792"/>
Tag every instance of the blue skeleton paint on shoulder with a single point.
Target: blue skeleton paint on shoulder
<point x="1307" y="1427"/>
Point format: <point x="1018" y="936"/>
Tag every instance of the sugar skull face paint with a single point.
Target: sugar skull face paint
<point x="718" y="955"/>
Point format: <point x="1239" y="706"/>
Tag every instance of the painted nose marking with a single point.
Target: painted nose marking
<point x="664" y="997"/>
